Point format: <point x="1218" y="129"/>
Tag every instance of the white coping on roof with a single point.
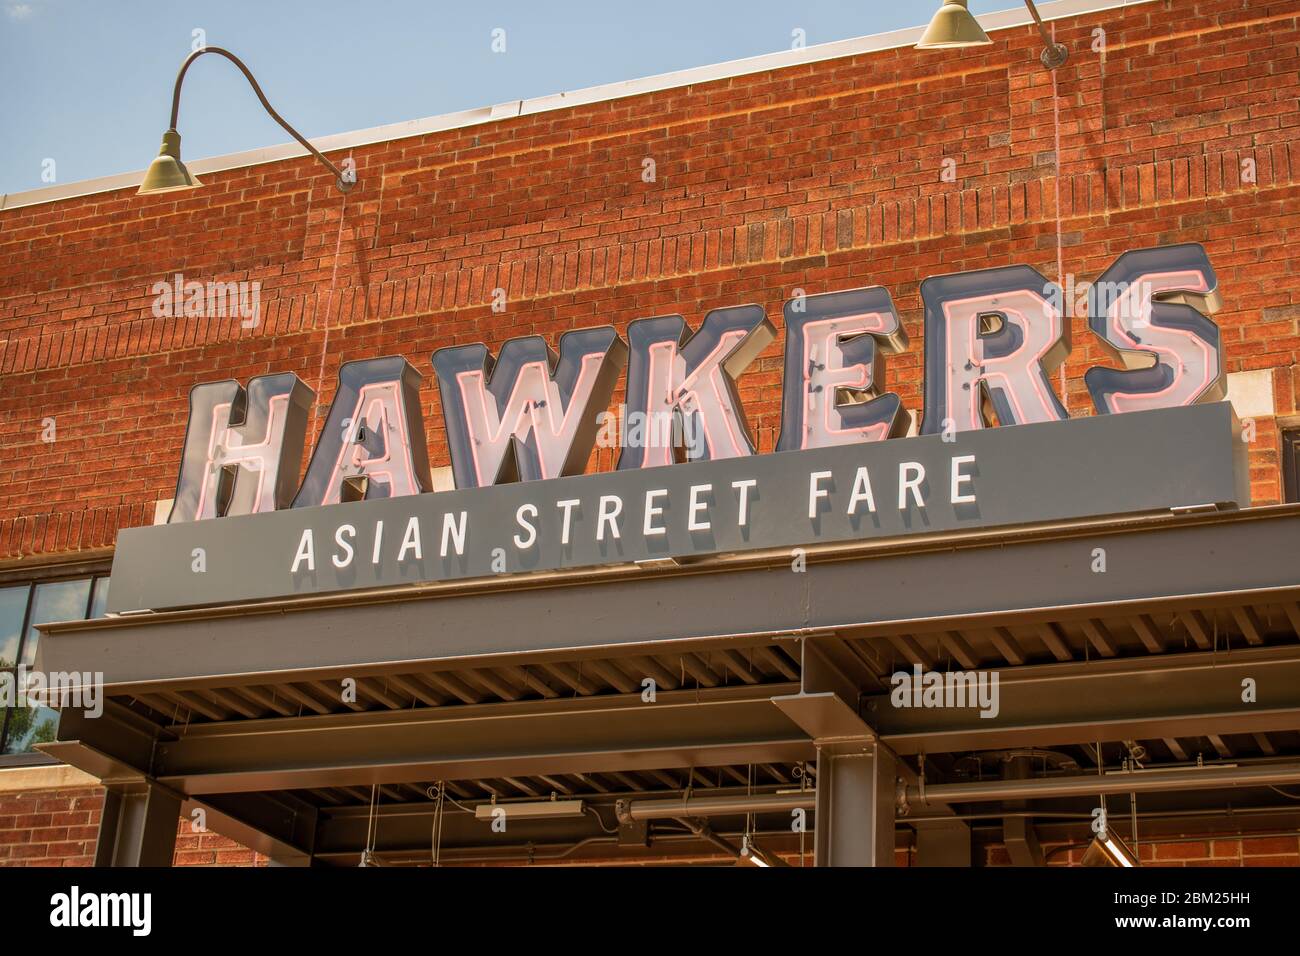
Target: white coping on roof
<point x="1002" y="20"/>
<point x="44" y="777"/>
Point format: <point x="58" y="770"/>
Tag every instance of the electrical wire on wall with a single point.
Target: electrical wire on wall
<point x="1067" y="306"/>
<point x="372" y="827"/>
<point x="329" y="311"/>
<point x="801" y="771"/>
<point x="1101" y="772"/>
<point x="1136" y="754"/>
<point x="438" y="792"/>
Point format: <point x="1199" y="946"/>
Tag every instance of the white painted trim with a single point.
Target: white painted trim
<point x="51" y="777"/>
<point x="1002" y="20"/>
<point x="162" y="509"/>
<point x="1251" y="393"/>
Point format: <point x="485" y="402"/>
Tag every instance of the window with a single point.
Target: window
<point x="1291" y="465"/>
<point x="22" y="608"/>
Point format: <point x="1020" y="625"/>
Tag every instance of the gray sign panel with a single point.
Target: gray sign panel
<point x="1085" y="467"/>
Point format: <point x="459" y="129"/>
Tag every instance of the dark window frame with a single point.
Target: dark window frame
<point x="32" y="580"/>
<point x="1290" y="455"/>
<point x="18" y="659"/>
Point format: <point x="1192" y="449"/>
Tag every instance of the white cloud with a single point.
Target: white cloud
<point x="20" y="11"/>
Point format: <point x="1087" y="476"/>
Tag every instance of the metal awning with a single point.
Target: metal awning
<point x="238" y="710"/>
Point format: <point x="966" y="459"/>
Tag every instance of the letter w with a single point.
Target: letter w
<point x="523" y="416"/>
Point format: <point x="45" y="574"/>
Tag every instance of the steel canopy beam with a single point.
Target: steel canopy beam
<point x="974" y="579"/>
<point x="137" y="826"/>
<point x="683" y="728"/>
<point x="1173" y="695"/>
<point x="118" y="747"/>
<point x="855" y="808"/>
<point x="277" y="825"/>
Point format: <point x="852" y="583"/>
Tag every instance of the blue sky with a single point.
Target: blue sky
<point x="87" y="83"/>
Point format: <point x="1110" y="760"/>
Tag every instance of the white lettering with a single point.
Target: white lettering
<point x="958" y="479"/>
<point x="306" y="552"/>
<point x="453" y="530"/>
<point x="652" y="512"/>
<point x="743" y="487"/>
<point x="567" y="506"/>
<point x="411" y="541"/>
<point x="351" y="532"/>
<point x="912" y="484"/>
<point x="696" y="507"/>
<point x="815" y="491"/>
<point x="861" y="492"/>
<point x="611" y="506"/>
<point x="522" y="543"/>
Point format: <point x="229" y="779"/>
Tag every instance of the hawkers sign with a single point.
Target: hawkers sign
<point x="521" y="427"/>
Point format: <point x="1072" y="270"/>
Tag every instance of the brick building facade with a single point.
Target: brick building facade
<point x="856" y="164"/>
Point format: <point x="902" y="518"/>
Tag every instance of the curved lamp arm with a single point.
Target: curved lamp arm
<point x="954" y="26"/>
<point x="342" y="181"/>
<point x="1054" y="54"/>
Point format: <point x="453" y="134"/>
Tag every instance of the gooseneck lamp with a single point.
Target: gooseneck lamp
<point x="954" y="26"/>
<point x="168" y="173"/>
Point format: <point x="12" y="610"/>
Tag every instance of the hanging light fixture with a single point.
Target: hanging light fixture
<point x="954" y="26"/>
<point x="168" y="173"/>
<point x="751" y="854"/>
<point x="1107" y="849"/>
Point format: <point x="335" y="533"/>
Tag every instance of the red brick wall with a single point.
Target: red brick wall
<point x="60" y="827"/>
<point x="816" y="177"/>
<point x="49" y="827"/>
<point x="1198" y="851"/>
<point x="821" y="176"/>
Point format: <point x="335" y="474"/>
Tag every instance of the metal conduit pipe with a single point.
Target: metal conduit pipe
<point x="705" y="832"/>
<point x="420" y="856"/>
<point x="1055" y="815"/>
<point x="1139" y="781"/>
<point x="630" y="810"/>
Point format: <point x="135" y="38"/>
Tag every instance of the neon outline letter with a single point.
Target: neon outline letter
<point x="1151" y="309"/>
<point x="834" y="349"/>
<point x="524" y="416"/>
<point x="242" y="448"/>
<point x="1008" y="366"/>
<point x="379" y="399"/>
<point x="674" y="376"/>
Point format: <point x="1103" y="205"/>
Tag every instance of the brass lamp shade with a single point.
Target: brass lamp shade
<point x="167" y="172"/>
<point x="953" y="26"/>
